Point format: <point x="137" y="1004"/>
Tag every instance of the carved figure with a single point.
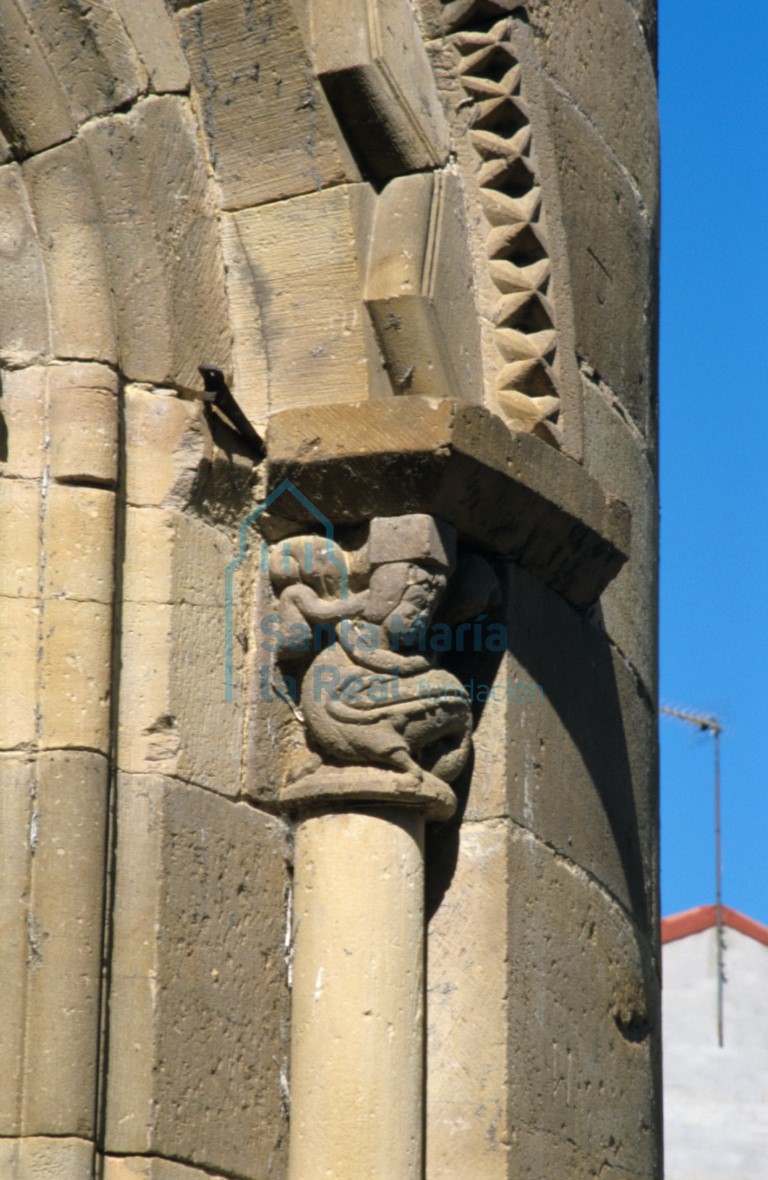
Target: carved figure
<point x="372" y="693"/>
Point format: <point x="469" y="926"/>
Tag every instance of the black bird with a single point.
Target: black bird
<point x="218" y="394"/>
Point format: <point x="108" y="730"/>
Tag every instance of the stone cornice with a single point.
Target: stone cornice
<point x="506" y="493"/>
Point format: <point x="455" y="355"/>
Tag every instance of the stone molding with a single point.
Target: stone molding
<point x="506" y="493"/>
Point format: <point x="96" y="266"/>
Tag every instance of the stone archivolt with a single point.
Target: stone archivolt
<point x="516" y="245"/>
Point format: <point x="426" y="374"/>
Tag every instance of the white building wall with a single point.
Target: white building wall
<point x="715" y="1100"/>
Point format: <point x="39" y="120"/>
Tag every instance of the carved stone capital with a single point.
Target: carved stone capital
<point x="384" y="722"/>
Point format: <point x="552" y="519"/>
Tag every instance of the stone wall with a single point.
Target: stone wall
<point x="420" y="242"/>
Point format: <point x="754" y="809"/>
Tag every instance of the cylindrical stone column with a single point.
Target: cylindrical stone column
<point x="358" y="996"/>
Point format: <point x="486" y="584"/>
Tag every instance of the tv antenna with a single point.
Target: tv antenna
<point x="704" y="722"/>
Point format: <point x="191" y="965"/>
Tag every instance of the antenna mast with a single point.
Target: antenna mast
<point x="709" y="722"/>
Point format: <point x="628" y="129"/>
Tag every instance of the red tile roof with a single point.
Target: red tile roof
<point x="704" y="917"/>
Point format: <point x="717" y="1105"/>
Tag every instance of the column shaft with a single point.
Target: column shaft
<point x="358" y="1008"/>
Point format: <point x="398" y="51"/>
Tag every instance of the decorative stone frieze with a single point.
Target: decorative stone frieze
<point x="516" y="243"/>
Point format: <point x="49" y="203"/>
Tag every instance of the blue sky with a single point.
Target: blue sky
<point x="714" y="446"/>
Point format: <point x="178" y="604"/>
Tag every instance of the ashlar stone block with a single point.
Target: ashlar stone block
<point x="148" y="727"/>
<point x="270" y="130"/>
<point x="584" y="1025"/>
<point x="146" y="1168"/>
<point x="23" y="405"/>
<point x="23" y="312"/>
<point x="174" y="715"/>
<point x="588" y="791"/>
<point x="44" y="1158"/>
<point x="64" y="933"/>
<point x="371" y="60"/>
<point x="199" y="1000"/>
<point x="628" y="607"/>
<point x="607" y="235"/>
<point x="108" y="72"/>
<point x="596" y="52"/>
<point x="419" y="289"/>
<point x="35" y="107"/>
<point x="83" y="421"/>
<point x="155" y="39"/>
<point x="189" y="558"/>
<point x="79" y="543"/>
<point x="296" y="301"/>
<point x="75" y="688"/>
<point x="19" y="538"/>
<point x="468" y="983"/>
<point x="174" y="712"/>
<point x="61" y="195"/>
<point x="166" y="441"/>
<point x="17" y="792"/>
<point x="159" y="223"/>
<point x="19" y="672"/>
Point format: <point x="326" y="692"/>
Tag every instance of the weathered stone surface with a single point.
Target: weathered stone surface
<point x="597" y="53"/>
<point x="611" y="260"/>
<point x="23" y="313"/>
<point x="174" y="716"/>
<point x="439" y="17"/>
<point x="64" y="932"/>
<point x="357" y="1010"/>
<point x="6" y="152"/>
<point x="588" y="790"/>
<point x="42" y="1158"/>
<point x="146" y="1168"/>
<point x="22" y="406"/>
<point x="83" y="423"/>
<point x="508" y="493"/>
<point x="468" y="965"/>
<point x="199" y="998"/>
<point x="74" y="689"/>
<point x="647" y="15"/>
<point x="188" y="559"/>
<point x="17" y="790"/>
<point x="371" y="60"/>
<point x="295" y="273"/>
<point x="19" y="671"/>
<point x="19" y="538"/>
<point x="108" y="72"/>
<point x="161" y="242"/>
<point x="419" y="288"/>
<point x="415" y="537"/>
<point x="35" y="108"/>
<point x="628" y="608"/>
<point x="79" y="544"/>
<point x="148" y="729"/>
<point x="153" y="33"/>
<point x="252" y="72"/>
<point x="72" y="248"/>
<point x="166" y="441"/>
<point x="584" y="1023"/>
<point x="211" y="751"/>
